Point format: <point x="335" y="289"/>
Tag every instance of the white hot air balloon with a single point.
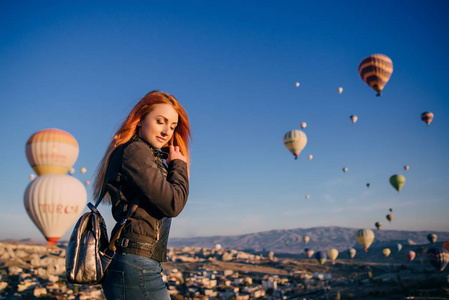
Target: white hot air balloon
<point x="353" y="118"/>
<point x="297" y="84"/>
<point x="295" y="141"/>
<point x="54" y="202"/>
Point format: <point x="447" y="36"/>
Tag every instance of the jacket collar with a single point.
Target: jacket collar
<point x="156" y="152"/>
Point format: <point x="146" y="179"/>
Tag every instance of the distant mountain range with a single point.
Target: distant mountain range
<point x="321" y="239"/>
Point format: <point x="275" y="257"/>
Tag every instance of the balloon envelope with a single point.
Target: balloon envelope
<point x="306" y="239"/>
<point x="303" y="124"/>
<point x="365" y="237"/>
<point x="376" y="70"/>
<point x="438" y="257"/>
<point x="406" y="168"/>
<point x="432" y="237"/>
<point x="398" y="247"/>
<point x="386" y="252"/>
<point x="389" y="217"/>
<point x="378" y="225"/>
<point x="332" y="254"/>
<point x="51" y="151"/>
<point x="353" y="118"/>
<point x="352" y="252"/>
<point x="340" y="90"/>
<point x="309" y="252"/>
<point x="54" y="202"/>
<point x="410" y="255"/>
<point x="427" y="117"/>
<point x="321" y="257"/>
<point x="397" y="181"/>
<point x="295" y="141"/>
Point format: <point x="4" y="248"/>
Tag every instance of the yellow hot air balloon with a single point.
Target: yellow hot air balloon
<point x="307" y="196"/>
<point x="54" y="203"/>
<point x="295" y="141"/>
<point x="353" y="118"/>
<point x="83" y="170"/>
<point x="376" y="70"/>
<point x="365" y="237"/>
<point x="306" y="239"/>
<point x="340" y="90"/>
<point x="427" y="117"/>
<point x="332" y="254"/>
<point x="386" y="252"/>
<point x="51" y="151"/>
<point x="397" y="181"/>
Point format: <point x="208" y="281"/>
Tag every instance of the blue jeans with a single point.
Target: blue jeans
<point x="134" y="277"/>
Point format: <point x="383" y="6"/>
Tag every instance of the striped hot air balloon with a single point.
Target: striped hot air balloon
<point x="376" y="70"/>
<point x="365" y="237"/>
<point x="438" y="257"/>
<point x="427" y="117"/>
<point x="51" y="151"/>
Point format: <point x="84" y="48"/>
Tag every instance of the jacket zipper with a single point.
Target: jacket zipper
<point x="158" y="225"/>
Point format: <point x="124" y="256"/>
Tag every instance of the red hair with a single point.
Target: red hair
<point x="181" y="136"/>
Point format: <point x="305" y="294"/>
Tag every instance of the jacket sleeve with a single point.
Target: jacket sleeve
<point x="169" y="194"/>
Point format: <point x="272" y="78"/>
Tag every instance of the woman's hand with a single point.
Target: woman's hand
<point x="175" y="154"/>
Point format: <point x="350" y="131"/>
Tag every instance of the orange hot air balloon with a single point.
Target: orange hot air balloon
<point x="427" y="117"/>
<point x="303" y="125"/>
<point x="51" y="151"/>
<point x="406" y="168"/>
<point x="54" y="202"/>
<point x="376" y="70"/>
<point x="389" y="217"/>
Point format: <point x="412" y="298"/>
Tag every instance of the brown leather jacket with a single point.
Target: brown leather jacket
<point x="135" y="177"/>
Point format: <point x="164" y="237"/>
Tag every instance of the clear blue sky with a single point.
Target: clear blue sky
<point x="81" y="66"/>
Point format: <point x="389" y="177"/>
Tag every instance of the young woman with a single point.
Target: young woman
<point x="134" y="173"/>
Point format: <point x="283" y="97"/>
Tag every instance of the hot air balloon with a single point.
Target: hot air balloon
<point x="340" y="90"/>
<point x="297" y="84"/>
<point x="391" y="210"/>
<point x="332" y="254"/>
<point x="438" y="257"/>
<point x="306" y="239"/>
<point x="321" y="257"/>
<point x="295" y="141"/>
<point x="32" y="176"/>
<point x="386" y="252"/>
<point x="309" y="252"/>
<point x="427" y="117"/>
<point x="432" y="237"/>
<point x="410" y="255"/>
<point x="368" y="185"/>
<point x="83" y="170"/>
<point x="54" y="202"/>
<point x="378" y="225"/>
<point x="389" y="217"/>
<point x="406" y="168"/>
<point x="353" y="118"/>
<point x="310" y="156"/>
<point x="51" y="151"/>
<point x="72" y="171"/>
<point x="365" y="237"/>
<point x="307" y="196"/>
<point x="303" y="125"/>
<point x="87" y="182"/>
<point x="345" y="170"/>
<point x="398" y="247"/>
<point x="397" y="181"/>
<point x="376" y="70"/>
<point x="352" y="252"/>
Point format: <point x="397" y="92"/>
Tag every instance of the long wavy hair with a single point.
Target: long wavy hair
<point x="181" y="136"/>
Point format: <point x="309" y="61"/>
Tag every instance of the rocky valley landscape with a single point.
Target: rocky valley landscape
<point x="265" y="265"/>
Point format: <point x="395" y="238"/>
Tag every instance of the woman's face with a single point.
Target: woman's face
<point x="158" y="126"/>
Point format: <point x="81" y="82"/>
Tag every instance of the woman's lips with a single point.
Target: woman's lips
<point x="160" y="139"/>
